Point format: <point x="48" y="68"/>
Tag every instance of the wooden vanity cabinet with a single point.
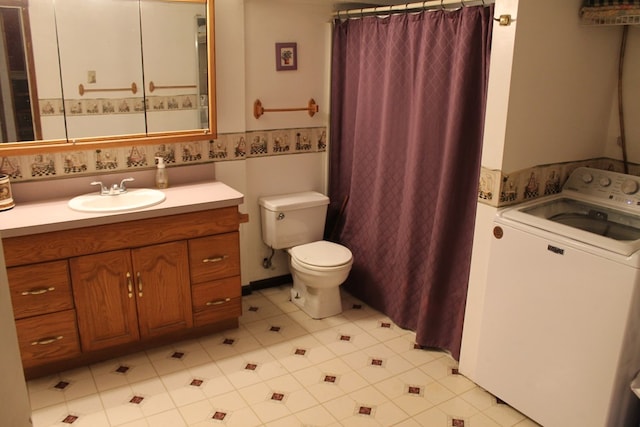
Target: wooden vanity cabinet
<point x="123" y="296"/>
<point x="98" y="292"/>
<point x="44" y="312"/>
<point x="215" y="284"/>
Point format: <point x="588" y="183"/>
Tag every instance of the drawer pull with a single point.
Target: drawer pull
<point x="215" y="259"/>
<point x="39" y="291"/>
<point x="129" y="285"/>
<point x="217" y="302"/>
<point x="45" y="341"/>
<point x="139" y="284"/>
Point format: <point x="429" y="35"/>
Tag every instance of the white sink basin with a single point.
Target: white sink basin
<point x="137" y="198"/>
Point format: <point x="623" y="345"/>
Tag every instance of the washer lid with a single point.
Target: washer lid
<point x="322" y="254"/>
<point x="596" y="225"/>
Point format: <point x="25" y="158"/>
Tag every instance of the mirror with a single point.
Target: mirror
<point x="101" y="67"/>
<point x="121" y="71"/>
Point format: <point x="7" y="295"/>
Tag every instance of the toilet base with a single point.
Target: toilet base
<point x="317" y="303"/>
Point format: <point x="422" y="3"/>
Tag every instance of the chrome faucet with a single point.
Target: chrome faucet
<point x="115" y="189"/>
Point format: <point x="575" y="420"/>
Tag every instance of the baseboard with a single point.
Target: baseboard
<point x="271" y="282"/>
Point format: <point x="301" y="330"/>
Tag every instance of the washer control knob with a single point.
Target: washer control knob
<point x="604" y="181"/>
<point x="629" y="186"/>
<point x="587" y="178"/>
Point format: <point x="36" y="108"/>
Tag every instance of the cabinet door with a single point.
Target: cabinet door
<point x="163" y="288"/>
<point x="105" y="300"/>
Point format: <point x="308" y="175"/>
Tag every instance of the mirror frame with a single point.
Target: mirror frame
<point x="37" y="147"/>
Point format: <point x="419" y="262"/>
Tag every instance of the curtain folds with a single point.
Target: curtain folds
<point x="408" y="100"/>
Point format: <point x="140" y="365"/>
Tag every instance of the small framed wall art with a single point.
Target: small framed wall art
<point x="286" y="56"/>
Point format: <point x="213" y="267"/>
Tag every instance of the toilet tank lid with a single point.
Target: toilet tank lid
<point x="284" y="202"/>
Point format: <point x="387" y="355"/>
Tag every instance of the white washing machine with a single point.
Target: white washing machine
<point x="560" y="331"/>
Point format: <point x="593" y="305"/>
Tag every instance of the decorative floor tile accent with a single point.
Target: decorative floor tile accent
<point x="253" y="308"/>
<point x="413" y="389"/>
<point x="300" y="352"/>
<point x="70" y="419"/>
<point x="279" y="397"/>
<point x="61" y="385"/>
<point x="220" y="416"/>
<point x="365" y="410"/>
<point x="457" y="423"/>
<point x="275" y="329"/>
<point x="330" y="379"/>
<point x="136" y="399"/>
<point x="228" y="341"/>
<point x="377" y="362"/>
<point x="345" y="338"/>
<point x="122" y="369"/>
<point x="251" y="367"/>
<point x="196" y="382"/>
<point x="385" y="325"/>
<point x="177" y="355"/>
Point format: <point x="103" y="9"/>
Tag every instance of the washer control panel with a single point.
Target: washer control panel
<point x="617" y="188"/>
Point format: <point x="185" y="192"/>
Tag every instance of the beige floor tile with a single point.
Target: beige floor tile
<point x="353" y="369"/>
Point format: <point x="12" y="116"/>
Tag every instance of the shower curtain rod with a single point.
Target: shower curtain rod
<point x="411" y="7"/>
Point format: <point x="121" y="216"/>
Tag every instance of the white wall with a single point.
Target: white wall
<point x="562" y="85"/>
<point x="245" y="71"/>
<point x="631" y="100"/>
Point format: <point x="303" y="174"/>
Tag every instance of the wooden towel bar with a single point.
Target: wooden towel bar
<point x="133" y="88"/>
<point x="259" y="110"/>
<point x="153" y="87"/>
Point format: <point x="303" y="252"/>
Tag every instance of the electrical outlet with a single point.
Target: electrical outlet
<point x="91" y="76"/>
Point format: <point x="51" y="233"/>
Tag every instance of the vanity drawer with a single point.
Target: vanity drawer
<point x="48" y="338"/>
<point x="40" y="288"/>
<point x="214" y="257"/>
<point x="216" y="300"/>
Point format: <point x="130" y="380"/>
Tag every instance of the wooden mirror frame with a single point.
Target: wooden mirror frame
<point x="37" y="147"/>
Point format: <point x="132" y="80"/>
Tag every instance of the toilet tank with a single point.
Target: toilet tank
<point x="290" y="220"/>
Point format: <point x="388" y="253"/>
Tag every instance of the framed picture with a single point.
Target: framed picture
<point x="286" y="56"/>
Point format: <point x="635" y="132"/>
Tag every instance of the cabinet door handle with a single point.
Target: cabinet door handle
<point x="45" y="341"/>
<point x="129" y="285"/>
<point x="39" y="291"/>
<point x="217" y="302"/>
<point x="139" y="284"/>
<point x="216" y="259"/>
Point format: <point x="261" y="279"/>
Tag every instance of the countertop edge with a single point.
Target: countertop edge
<point x="59" y="209"/>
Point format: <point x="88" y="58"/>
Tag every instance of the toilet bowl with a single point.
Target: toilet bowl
<point x="295" y="223"/>
<point x="318" y="269"/>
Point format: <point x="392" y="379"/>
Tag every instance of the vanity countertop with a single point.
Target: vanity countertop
<point x="53" y="215"/>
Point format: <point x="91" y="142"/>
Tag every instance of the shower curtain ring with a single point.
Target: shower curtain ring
<point x="442" y="5"/>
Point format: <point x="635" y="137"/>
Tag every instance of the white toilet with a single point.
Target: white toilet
<point x="295" y="222"/>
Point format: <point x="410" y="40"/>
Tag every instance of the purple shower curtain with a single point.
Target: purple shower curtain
<point x="408" y="102"/>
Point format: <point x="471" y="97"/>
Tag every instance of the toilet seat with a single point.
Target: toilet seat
<point x="321" y="255"/>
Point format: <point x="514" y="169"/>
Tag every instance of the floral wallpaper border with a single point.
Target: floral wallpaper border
<point x="498" y="189"/>
<point x="227" y="147"/>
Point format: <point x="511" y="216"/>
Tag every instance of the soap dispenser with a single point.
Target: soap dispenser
<point x="162" y="179"/>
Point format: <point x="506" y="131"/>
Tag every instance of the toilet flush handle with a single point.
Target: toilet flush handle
<point x="280" y="216"/>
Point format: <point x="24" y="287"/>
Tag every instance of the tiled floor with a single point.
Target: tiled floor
<point x="279" y="368"/>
